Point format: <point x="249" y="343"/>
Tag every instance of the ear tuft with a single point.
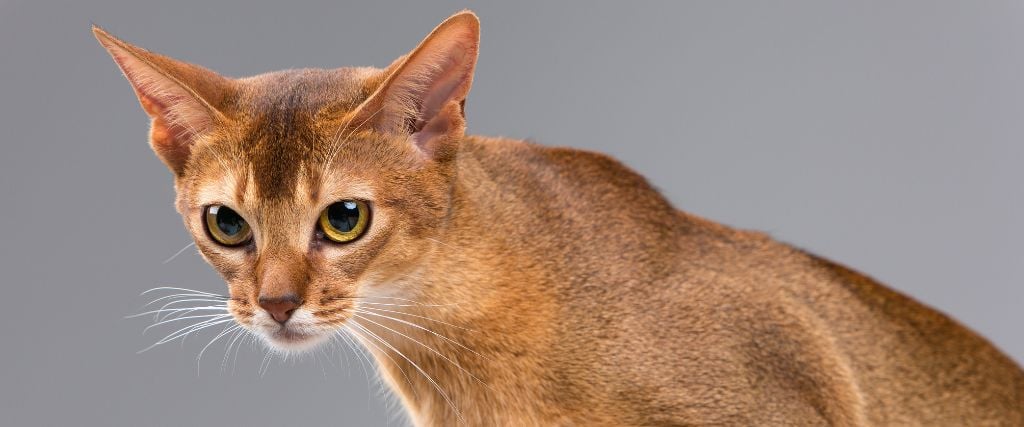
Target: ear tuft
<point x="176" y="95"/>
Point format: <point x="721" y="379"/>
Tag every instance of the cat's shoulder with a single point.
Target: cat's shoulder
<point x="553" y="163"/>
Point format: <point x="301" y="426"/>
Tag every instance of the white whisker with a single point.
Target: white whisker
<point x="343" y="334"/>
<point x="386" y="304"/>
<point x="166" y="307"/>
<point x="413" y="302"/>
<point x="206" y="297"/>
<point x="171" y="310"/>
<point x="191" y="244"/>
<point x="338" y="141"/>
<point x="414" y="365"/>
<point x="265" y="364"/>
<point x="357" y="310"/>
<point x="226" y="331"/>
<point x="240" y="332"/>
<point x="250" y="338"/>
<point x="188" y="330"/>
<point x="417" y="316"/>
<point x="429" y="348"/>
<point x="180" y="289"/>
<point x="200" y="316"/>
<point x="440" y="242"/>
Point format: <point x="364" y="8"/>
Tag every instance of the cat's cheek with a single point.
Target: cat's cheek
<point x="232" y="264"/>
<point x="242" y="312"/>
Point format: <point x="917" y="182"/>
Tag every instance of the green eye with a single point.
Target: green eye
<point x="226" y="226"/>
<point x="344" y="221"/>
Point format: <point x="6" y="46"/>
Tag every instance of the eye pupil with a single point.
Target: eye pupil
<point x="229" y="222"/>
<point x="343" y="216"/>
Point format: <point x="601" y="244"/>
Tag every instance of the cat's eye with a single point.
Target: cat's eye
<point x="344" y="221"/>
<point x="226" y="226"/>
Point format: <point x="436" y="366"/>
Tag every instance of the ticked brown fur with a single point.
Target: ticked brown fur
<point x="507" y="283"/>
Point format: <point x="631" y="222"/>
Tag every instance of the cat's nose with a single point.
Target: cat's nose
<point x="280" y="308"/>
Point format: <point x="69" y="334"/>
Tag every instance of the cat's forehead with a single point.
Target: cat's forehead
<point x="285" y="122"/>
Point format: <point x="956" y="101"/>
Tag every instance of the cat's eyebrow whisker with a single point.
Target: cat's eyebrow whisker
<point x="417" y="316"/>
<point x="220" y="160"/>
<point x="335" y="141"/>
<point x="191" y="244"/>
<point x="188" y="330"/>
<point x="414" y="365"/>
<point x="429" y="348"/>
<point x="338" y="142"/>
<point x="357" y="310"/>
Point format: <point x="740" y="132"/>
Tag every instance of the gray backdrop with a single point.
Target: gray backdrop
<point x="885" y="135"/>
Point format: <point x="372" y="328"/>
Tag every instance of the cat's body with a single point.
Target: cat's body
<point x="499" y="282"/>
<point x="650" y="316"/>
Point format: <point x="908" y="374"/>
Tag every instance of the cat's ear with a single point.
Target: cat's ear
<point x="179" y="97"/>
<point x="424" y="92"/>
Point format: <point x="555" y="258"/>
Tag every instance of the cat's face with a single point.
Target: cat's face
<point x="256" y="215"/>
<point x="311" y="189"/>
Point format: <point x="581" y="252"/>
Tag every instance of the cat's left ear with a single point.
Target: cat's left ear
<point x="425" y="91"/>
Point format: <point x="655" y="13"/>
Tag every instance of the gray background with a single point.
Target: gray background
<point x="885" y="135"/>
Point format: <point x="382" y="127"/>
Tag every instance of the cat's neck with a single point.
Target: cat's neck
<point x="487" y="301"/>
<point x="475" y="311"/>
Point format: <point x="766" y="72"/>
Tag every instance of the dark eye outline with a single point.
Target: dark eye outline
<point x="334" y="235"/>
<point x="221" y="238"/>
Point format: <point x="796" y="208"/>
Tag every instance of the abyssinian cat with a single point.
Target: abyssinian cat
<point x="500" y="282"/>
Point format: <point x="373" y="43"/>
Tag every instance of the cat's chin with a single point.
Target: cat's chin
<point x="292" y="341"/>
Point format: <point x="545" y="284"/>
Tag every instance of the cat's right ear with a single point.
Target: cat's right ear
<point x="179" y="97"/>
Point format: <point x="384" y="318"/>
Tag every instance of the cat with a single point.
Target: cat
<point x="501" y="282"/>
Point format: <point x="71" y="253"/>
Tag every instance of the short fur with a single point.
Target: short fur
<point x="542" y="286"/>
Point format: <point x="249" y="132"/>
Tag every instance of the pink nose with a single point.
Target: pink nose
<point x="280" y="308"/>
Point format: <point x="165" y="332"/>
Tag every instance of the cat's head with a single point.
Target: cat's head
<point x="308" y="189"/>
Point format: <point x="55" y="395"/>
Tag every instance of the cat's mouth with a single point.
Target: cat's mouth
<point x="295" y="335"/>
<point x="287" y="335"/>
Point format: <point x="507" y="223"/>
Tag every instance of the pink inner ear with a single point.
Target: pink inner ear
<point x="443" y="86"/>
<point x="434" y="133"/>
<point x="161" y="96"/>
